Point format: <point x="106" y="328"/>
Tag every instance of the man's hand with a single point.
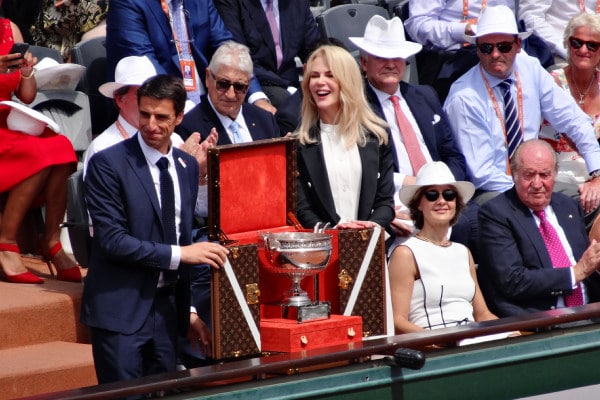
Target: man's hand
<point x="589" y="262"/>
<point x="199" y="335"/>
<point x="199" y="151"/>
<point x="265" y="105"/>
<point x="209" y="253"/>
<point x="589" y="194"/>
<point x="357" y="225"/>
<point x="402" y="228"/>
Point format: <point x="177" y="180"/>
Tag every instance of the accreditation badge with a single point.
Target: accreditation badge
<point x="189" y="77"/>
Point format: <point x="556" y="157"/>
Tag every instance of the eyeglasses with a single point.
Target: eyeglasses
<point x="503" y="47"/>
<point x="223" y="85"/>
<point x="433" y="195"/>
<point x="576" y="43"/>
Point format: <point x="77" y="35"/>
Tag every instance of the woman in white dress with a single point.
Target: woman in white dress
<point x="433" y="280"/>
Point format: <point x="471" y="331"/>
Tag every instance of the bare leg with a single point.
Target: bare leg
<point x="17" y="204"/>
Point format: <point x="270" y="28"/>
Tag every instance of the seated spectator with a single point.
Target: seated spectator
<point x="432" y="279"/>
<point x="293" y="33"/>
<point x="131" y="72"/>
<point x="185" y="54"/>
<point x="548" y="19"/>
<point x="33" y="169"/>
<point x="61" y="24"/>
<point x="579" y="79"/>
<point x="427" y="135"/>
<point x="500" y="103"/>
<point x="345" y="161"/>
<point x="439" y="25"/>
<point x="535" y="252"/>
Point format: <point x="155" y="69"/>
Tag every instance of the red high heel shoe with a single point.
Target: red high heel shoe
<point x="72" y="274"/>
<point x="24" y="277"/>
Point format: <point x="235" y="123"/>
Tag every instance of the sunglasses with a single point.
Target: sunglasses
<point x="433" y="195"/>
<point x="223" y="85"/>
<point x="487" y="48"/>
<point x="578" y="43"/>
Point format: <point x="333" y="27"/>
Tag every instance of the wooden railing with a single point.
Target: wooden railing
<point x="273" y="365"/>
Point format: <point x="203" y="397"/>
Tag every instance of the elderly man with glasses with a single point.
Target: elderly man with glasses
<point x="501" y="102"/>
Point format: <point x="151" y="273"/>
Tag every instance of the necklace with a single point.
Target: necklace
<point x="443" y="243"/>
<point x="582" y="95"/>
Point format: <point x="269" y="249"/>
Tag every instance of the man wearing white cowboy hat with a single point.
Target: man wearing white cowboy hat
<point x="500" y="102"/>
<point x="131" y="72"/>
<point x="383" y="54"/>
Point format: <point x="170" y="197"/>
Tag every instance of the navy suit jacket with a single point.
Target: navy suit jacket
<point x="515" y="271"/>
<point x="424" y="105"/>
<point x="141" y="28"/>
<point x="248" y="23"/>
<point x="315" y="200"/>
<point x="203" y="118"/>
<point x="127" y="252"/>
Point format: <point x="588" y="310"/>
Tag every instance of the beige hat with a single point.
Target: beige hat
<point x="27" y="120"/>
<point x="49" y="74"/>
<point x="497" y="19"/>
<point x="385" y="38"/>
<point x="436" y="173"/>
<point x="130" y="71"/>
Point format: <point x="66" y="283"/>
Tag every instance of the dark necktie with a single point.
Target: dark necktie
<point x="558" y="255"/>
<point x="167" y="201"/>
<point x="514" y="135"/>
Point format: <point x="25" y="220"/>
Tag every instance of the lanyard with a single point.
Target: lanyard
<point x="165" y="8"/>
<point x="122" y="130"/>
<point x="499" y="114"/>
<point x="465" y="11"/>
<point x="582" y="6"/>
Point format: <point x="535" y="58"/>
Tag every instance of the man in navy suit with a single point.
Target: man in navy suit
<point x="517" y="272"/>
<point x="136" y="293"/>
<point x="149" y="28"/>
<point x="223" y="109"/>
<point x="298" y="34"/>
<point x="384" y="51"/>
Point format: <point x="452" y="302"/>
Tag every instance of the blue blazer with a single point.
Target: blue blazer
<point x="515" y="271"/>
<point x="140" y="27"/>
<point x="315" y="200"/>
<point x="424" y="105"/>
<point x="248" y="23"/>
<point x="203" y="118"/>
<point x="127" y="252"/>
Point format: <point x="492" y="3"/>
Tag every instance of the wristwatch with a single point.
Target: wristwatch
<point x="595" y="174"/>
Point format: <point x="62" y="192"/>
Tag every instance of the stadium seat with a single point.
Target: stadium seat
<point x="77" y="222"/>
<point x="41" y="52"/>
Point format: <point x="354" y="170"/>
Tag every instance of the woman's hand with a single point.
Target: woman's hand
<point x="10" y="62"/>
<point x="27" y="64"/>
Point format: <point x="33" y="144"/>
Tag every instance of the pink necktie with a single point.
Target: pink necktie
<point x="558" y="256"/>
<point x="409" y="137"/>
<point x="274" y="31"/>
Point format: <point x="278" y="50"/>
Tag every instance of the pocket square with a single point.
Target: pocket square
<point x="436" y="119"/>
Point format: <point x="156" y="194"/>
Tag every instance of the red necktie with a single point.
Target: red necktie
<point x="409" y="137"/>
<point x="558" y="255"/>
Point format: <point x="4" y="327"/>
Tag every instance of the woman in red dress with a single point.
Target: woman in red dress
<point x="33" y="170"/>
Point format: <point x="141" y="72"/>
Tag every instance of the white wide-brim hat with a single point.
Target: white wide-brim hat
<point x="385" y="38"/>
<point x="50" y="74"/>
<point x="27" y="120"/>
<point x="436" y="173"/>
<point x="130" y="71"/>
<point x="497" y="19"/>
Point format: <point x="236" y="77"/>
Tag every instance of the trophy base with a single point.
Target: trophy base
<point x="306" y="313"/>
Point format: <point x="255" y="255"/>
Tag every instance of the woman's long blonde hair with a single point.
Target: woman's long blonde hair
<point x="355" y="117"/>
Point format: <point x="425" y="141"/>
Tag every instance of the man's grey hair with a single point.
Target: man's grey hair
<point x="232" y="54"/>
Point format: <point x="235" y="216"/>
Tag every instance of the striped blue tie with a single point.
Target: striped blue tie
<point x="235" y="130"/>
<point x="514" y="136"/>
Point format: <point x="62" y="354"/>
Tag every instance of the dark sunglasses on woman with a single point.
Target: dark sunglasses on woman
<point x="433" y="195"/>
<point x="577" y="43"/>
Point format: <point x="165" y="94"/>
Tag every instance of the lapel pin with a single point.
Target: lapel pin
<point x="570" y="216"/>
<point x="181" y="162"/>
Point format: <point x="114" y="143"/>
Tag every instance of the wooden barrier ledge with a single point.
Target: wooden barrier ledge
<point x="278" y="364"/>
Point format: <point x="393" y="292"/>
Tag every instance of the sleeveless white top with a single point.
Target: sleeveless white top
<point x="443" y="294"/>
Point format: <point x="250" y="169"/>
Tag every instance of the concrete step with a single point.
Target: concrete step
<point x="45" y="367"/>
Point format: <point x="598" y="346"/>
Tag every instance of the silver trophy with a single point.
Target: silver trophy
<point x="297" y="255"/>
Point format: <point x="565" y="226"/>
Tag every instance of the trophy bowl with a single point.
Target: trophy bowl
<point x="297" y="255"/>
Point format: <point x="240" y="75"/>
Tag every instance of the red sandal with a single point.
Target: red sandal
<point x="24" y="277"/>
<point x="72" y="274"/>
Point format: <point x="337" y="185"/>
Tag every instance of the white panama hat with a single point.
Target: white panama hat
<point x="385" y="38"/>
<point x="497" y="19"/>
<point x="436" y="173"/>
<point x="27" y="120"/>
<point x="130" y="71"/>
<point x="50" y="74"/>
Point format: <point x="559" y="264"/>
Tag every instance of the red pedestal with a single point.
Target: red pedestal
<point x="284" y="335"/>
